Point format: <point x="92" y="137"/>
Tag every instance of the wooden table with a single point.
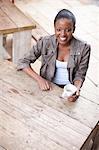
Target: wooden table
<point x="31" y="119"/>
<point x="12" y="20"/>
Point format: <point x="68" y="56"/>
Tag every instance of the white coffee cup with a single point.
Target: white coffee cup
<point x="69" y="90"/>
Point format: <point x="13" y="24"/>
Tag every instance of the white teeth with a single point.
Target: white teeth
<point x="63" y="39"/>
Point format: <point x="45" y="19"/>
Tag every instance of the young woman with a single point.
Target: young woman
<point x="65" y="58"/>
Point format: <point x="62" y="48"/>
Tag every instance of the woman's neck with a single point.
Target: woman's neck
<point x="63" y="53"/>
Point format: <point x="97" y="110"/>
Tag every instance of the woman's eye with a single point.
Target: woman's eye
<point x="68" y="30"/>
<point x="58" y="30"/>
<point x="65" y="30"/>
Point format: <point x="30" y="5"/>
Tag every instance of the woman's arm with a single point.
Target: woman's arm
<point x="43" y="83"/>
<point x="83" y="65"/>
<point x="81" y="72"/>
<point x="78" y="84"/>
<point x="31" y="57"/>
<point x="74" y="97"/>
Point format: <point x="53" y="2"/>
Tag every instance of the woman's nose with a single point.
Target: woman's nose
<point x="63" y="32"/>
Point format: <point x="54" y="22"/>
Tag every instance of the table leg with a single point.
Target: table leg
<point x="21" y="44"/>
<point x="3" y="53"/>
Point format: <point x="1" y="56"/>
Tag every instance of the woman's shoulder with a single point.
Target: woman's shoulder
<point x="80" y="45"/>
<point x="81" y="42"/>
<point x="48" y="41"/>
<point x="48" y="38"/>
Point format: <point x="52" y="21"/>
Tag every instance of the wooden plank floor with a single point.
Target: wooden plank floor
<point x="32" y="121"/>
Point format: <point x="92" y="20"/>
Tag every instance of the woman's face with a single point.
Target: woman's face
<point x="63" y="30"/>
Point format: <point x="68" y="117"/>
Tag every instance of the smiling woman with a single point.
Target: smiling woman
<point x="65" y="58"/>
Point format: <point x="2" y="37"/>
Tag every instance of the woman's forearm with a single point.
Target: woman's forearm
<point x="78" y="84"/>
<point x="31" y="73"/>
<point x="43" y="83"/>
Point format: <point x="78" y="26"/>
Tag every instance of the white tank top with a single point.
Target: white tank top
<point x="61" y="75"/>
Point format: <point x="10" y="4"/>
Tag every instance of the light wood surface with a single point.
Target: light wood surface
<point x="33" y="119"/>
<point x="6" y="25"/>
<point x="13" y="21"/>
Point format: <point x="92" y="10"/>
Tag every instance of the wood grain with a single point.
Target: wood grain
<point x="14" y="18"/>
<point x="28" y="118"/>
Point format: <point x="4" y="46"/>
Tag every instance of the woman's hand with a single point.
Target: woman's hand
<point x="44" y="84"/>
<point x="74" y="97"/>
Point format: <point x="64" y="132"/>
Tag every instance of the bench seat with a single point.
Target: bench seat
<point x="13" y="21"/>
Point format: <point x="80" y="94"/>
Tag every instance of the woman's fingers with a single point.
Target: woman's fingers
<point x="78" y="93"/>
<point x="73" y="98"/>
<point x="44" y="84"/>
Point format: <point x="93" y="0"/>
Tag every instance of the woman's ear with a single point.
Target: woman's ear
<point x="74" y="29"/>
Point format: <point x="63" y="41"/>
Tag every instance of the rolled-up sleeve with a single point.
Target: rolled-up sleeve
<point x="31" y="56"/>
<point x="83" y="65"/>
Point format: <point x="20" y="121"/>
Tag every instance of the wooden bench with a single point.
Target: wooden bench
<point x="38" y="32"/>
<point x="92" y="142"/>
<point x="13" y="21"/>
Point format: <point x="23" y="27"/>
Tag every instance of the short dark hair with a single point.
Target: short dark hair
<point x="64" y="13"/>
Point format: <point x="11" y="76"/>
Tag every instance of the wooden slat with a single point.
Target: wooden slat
<point x="13" y="15"/>
<point x="19" y="135"/>
<point x="21" y="44"/>
<point x="93" y="71"/>
<point x="39" y="32"/>
<point x="3" y="53"/>
<point x="2" y="148"/>
<point x="21" y="119"/>
<point x="92" y="142"/>
<point x="6" y="25"/>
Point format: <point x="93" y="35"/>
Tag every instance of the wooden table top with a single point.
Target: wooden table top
<point x="33" y="119"/>
<point x="12" y="19"/>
